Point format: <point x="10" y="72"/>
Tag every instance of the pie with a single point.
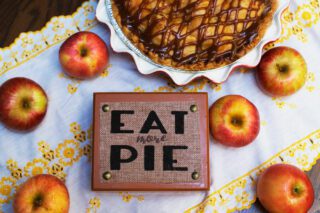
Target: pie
<point x="194" y="34"/>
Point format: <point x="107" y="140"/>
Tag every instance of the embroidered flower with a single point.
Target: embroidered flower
<point x="25" y="54"/>
<point x="12" y="164"/>
<point x="57" y="25"/>
<point x="95" y="202"/>
<point x="288" y="16"/>
<point x="307" y="16"/>
<point x="87" y="150"/>
<point x="35" y="167"/>
<point x="68" y="152"/>
<point x="49" y="155"/>
<point x="104" y="73"/>
<point x="6" y="66"/>
<point x="36" y="48"/>
<point x="138" y="89"/>
<point x="75" y="127"/>
<point x="126" y="198"/>
<point x="25" y="41"/>
<point x="72" y="89"/>
<point x="7" y="185"/>
<point x="243" y="198"/>
<point x="212" y="201"/>
<point x="43" y="146"/>
<point x="303" y="160"/>
<point x="81" y="137"/>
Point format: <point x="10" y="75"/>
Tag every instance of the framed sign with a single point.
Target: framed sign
<point x="150" y="141"/>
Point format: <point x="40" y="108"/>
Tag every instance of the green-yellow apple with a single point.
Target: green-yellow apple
<point x="285" y="188"/>
<point x="42" y="193"/>
<point x="234" y="121"/>
<point x="282" y="71"/>
<point x="23" y="104"/>
<point x="83" y="55"/>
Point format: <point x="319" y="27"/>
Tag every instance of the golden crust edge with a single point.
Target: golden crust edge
<point x="200" y="66"/>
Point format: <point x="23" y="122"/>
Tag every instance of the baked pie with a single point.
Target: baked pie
<point x="194" y="34"/>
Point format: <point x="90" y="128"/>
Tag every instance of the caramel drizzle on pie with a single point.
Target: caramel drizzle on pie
<point x="193" y="31"/>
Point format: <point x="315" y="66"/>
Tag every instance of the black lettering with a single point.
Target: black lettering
<point x="149" y="158"/>
<point x="152" y="117"/>
<point x="115" y="156"/>
<point x="116" y="121"/>
<point x="168" y="160"/>
<point x="179" y="121"/>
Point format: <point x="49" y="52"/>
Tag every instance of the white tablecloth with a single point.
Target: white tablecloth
<point x="61" y="144"/>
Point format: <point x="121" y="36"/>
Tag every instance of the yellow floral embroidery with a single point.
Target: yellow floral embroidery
<point x="230" y="190"/>
<point x="212" y="201"/>
<point x="7" y="186"/>
<point x="195" y="86"/>
<point x="35" y="167"/>
<point x="57" y="25"/>
<point x="303" y="160"/>
<point x="89" y="23"/>
<point x="53" y="161"/>
<point x="223" y="201"/>
<point x="58" y="38"/>
<point x="69" y="33"/>
<point x="242" y="184"/>
<point x="239" y="185"/>
<point x="68" y="152"/>
<point x="281" y="104"/>
<point x="315" y="147"/>
<point x="293" y="22"/>
<point x="105" y="72"/>
<point x="94" y="202"/>
<point x="307" y="15"/>
<point x="310" y="76"/>
<point x="138" y="89"/>
<point x="126" y="197"/>
<point x="94" y="205"/>
<point x="74" y="83"/>
<point x="310" y="88"/>
<point x="88" y="9"/>
<point x="26" y="41"/>
<point x="243" y="198"/>
<point x="75" y="127"/>
<point x="25" y="54"/>
<point x="81" y="137"/>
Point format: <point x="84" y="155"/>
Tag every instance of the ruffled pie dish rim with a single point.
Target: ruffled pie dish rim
<point x="121" y="44"/>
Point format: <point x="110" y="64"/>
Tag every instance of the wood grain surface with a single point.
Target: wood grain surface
<point x="18" y="16"/>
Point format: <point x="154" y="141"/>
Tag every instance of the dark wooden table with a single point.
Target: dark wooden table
<point x="18" y="16"/>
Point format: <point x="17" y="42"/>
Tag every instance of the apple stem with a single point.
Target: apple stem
<point x="236" y="121"/>
<point x="283" y="68"/>
<point x="26" y="104"/>
<point x="37" y="202"/>
<point x="83" y="52"/>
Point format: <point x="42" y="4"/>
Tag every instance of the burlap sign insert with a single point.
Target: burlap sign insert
<point x="150" y="144"/>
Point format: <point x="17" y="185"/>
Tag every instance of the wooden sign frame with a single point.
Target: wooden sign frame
<point x="202" y="179"/>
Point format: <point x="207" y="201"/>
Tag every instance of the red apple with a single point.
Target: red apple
<point x="42" y="193"/>
<point x="282" y="71"/>
<point x="23" y="104"/>
<point x="285" y="188"/>
<point x="83" y="55"/>
<point x="234" y="121"/>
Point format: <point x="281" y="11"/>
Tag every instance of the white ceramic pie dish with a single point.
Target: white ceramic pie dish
<point x="120" y="43"/>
